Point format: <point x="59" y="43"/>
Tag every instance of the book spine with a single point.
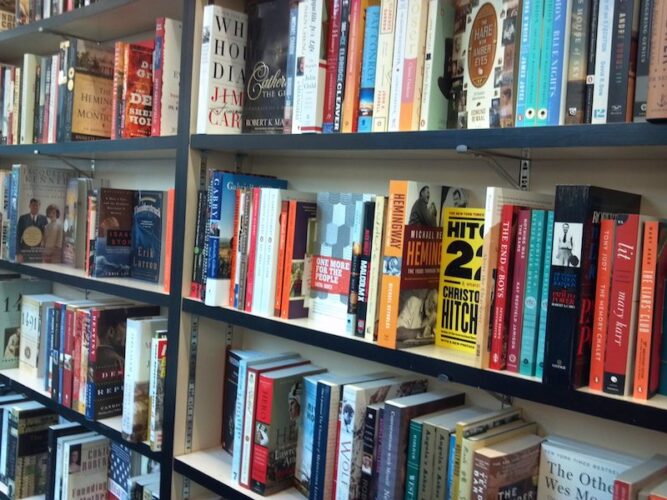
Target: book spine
<point x="355" y="267"/>
<point x="621" y="490"/>
<point x="384" y="64"/>
<point x="641" y="387"/>
<point x="413" y="65"/>
<point x="291" y="66"/>
<point x="575" y="99"/>
<point x="353" y="67"/>
<point x="215" y="193"/>
<point x="541" y="104"/>
<point x="505" y="267"/>
<point x="389" y="480"/>
<point x="315" y="69"/>
<point x="438" y="47"/>
<point x="600" y="320"/>
<point x="289" y="257"/>
<point x="364" y="269"/>
<point x="67" y="358"/>
<point x="53" y="103"/>
<point x="603" y="61"/>
<point x="158" y="75"/>
<point x="620" y="330"/>
<point x="85" y="350"/>
<point x="590" y="61"/>
<point x="244" y="238"/>
<point x="623" y="67"/>
<point x="253" y="235"/>
<point x="518" y="291"/>
<point x="270" y="261"/>
<point x="440" y="463"/>
<point x="233" y="276"/>
<point x="205" y="68"/>
<point x="368" y="438"/>
<point x="393" y="248"/>
<point x="282" y="249"/>
<point x="16" y="107"/>
<point x="320" y="442"/>
<point x="558" y="65"/>
<point x="55" y="352"/>
<point x="170" y="81"/>
<point x="46" y="107"/>
<point x="251" y="398"/>
<point x="396" y="91"/>
<point x="370" y="330"/>
<point x="333" y="46"/>
<point x="643" y="59"/>
<point x="27" y="108"/>
<point x="656" y="106"/>
<point x="533" y="297"/>
<point x="116" y="110"/>
<point x="261" y="468"/>
<point x="368" y="65"/>
<point x="238" y="421"/>
<point x="299" y="68"/>
<point x="531" y="23"/>
<point x="341" y="82"/>
<point x="76" y="360"/>
<point x="414" y="455"/>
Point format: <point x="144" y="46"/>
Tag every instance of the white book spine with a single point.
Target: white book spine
<point x="413" y="64"/>
<point x="158" y="353"/>
<point x="332" y="432"/>
<point x="349" y="419"/>
<point x="298" y="99"/>
<point x="171" y="67"/>
<point x="27" y="109"/>
<point x="270" y="268"/>
<point x="16" y="109"/>
<point x="374" y="275"/>
<point x="383" y="69"/>
<point x="206" y="60"/>
<point x="238" y="421"/>
<point x="397" y="66"/>
<point x="605" y="37"/>
<point x="260" y="251"/>
<point x="248" y="434"/>
<point x="431" y="24"/>
<point x="7" y="102"/>
<point x="314" y="70"/>
<point x="53" y="103"/>
<point x="30" y="336"/>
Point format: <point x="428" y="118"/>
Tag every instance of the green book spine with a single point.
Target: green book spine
<point x="532" y="299"/>
<point x="414" y="456"/>
<point x="542" y="330"/>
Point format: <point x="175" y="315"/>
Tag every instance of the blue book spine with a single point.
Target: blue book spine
<point x="557" y="66"/>
<point x="146" y="236"/>
<point x="90" y="400"/>
<point x="545" y="60"/>
<point x="369" y="60"/>
<point x="450" y="466"/>
<point x="214" y="206"/>
<point x="306" y="436"/>
<point x="542" y="330"/>
<point x="238" y="421"/>
<point x="291" y="67"/>
<point x="532" y="300"/>
<point x="47" y="364"/>
<point x="318" y="467"/>
<point x="13" y="212"/>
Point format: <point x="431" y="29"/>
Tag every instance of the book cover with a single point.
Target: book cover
<point x="458" y="292"/>
<point x="123" y="464"/>
<point x="56" y="432"/>
<point x="266" y="60"/>
<point x="33" y="352"/>
<point x="643" y="58"/>
<point x="85" y="467"/>
<point x="579" y="210"/>
<point x="146" y="238"/>
<point x="412" y="251"/>
<point x="223" y="71"/>
<point x="491" y="34"/>
<point x="137" y="118"/>
<point x="166" y="76"/>
<point x="113" y="242"/>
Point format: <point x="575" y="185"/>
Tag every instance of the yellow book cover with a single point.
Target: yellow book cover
<point x="458" y="294"/>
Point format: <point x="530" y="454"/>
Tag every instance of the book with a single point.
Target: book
<point x="462" y="242"/>
<point x="590" y="61"/>
<point x="56" y="432"/>
<point x="157" y="377"/>
<point x="413" y="64"/>
<point x="123" y="464"/>
<point x="577" y="67"/>
<point x="572" y="278"/>
<point x="117" y="102"/>
<point x="508" y="468"/>
<point x="371" y="318"/>
<point x="30" y="80"/>
<point x="396" y="87"/>
<point x="383" y="68"/>
<point x="277" y="427"/>
<point x="341" y="65"/>
<point x="223" y="71"/>
<point x="369" y="62"/>
<point x="656" y="107"/>
<point x="264" y="103"/>
<point x="74" y="222"/>
<point x="544" y="311"/>
<point x="398" y="413"/>
<point x="7" y="15"/>
<point x="34" y="322"/>
<point x="85" y="466"/>
<point x="36" y="228"/>
<point x="113" y="242"/>
<point x="138" y="339"/>
<point x="518" y="290"/>
<point x="411" y="261"/>
<point x="332" y="49"/>
<point x="628" y="483"/>
<point x="491" y="34"/>
<point x="659" y="492"/>
<point x="643" y="57"/>
<point x="148" y="219"/>
<point x="166" y="76"/>
<point x="603" y="62"/>
<point x="137" y="111"/>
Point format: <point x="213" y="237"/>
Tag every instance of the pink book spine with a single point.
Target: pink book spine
<point x="254" y="223"/>
<point x="518" y="290"/>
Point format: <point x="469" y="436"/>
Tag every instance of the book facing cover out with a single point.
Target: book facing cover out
<point x="146" y="237"/>
<point x="113" y="245"/>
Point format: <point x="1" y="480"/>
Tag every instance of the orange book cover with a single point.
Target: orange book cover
<point x="168" y="239"/>
<point x="282" y="257"/>
<point x="411" y="261"/>
<point x="413" y="66"/>
<point x="354" y="58"/>
<point x="645" y="316"/>
<point x="601" y="310"/>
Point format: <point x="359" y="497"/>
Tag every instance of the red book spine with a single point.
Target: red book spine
<point x="235" y="247"/>
<point x="67" y="366"/>
<point x="254" y="224"/>
<point x="76" y="358"/>
<point x="282" y="244"/>
<point x="158" y="64"/>
<point x="498" y="357"/>
<point x="333" y="43"/>
<point x="660" y="288"/>
<point x="518" y="290"/>
<point x="259" y="458"/>
<point x="621" y="304"/>
<point x="601" y="312"/>
<point x="646" y="308"/>
<point x="621" y="490"/>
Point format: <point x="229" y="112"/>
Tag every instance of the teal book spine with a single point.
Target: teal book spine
<point x="542" y="330"/>
<point x="545" y="61"/>
<point x="414" y="455"/>
<point x="532" y="299"/>
<point x="450" y="467"/>
<point x="369" y="61"/>
<point x="529" y="58"/>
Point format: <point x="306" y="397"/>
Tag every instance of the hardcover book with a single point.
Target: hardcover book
<point x="458" y="293"/>
<point x="7" y="15"/>
<point x="85" y="467"/>
<point x="643" y="58"/>
<point x="411" y="261"/>
<point x="74" y="222"/>
<point x="572" y="278"/>
<point x="113" y="242"/>
<point x="123" y="464"/>
<point x="56" y="432"/>
<point x="166" y="76"/>
<point x="137" y="117"/>
<point x="34" y="330"/>
<point x="268" y="37"/>
<point x="156" y="387"/>
<point x="656" y="100"/>
<point x="223" y="71"/>
<point x="146" y="248"/>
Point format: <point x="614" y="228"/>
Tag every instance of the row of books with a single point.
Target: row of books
<point x="288" y="423"/>
<point x="88" y="91"/>
<point x="44" y="454"/>
<point x="51" y="215"/>
<point x="18" y="12"/>
<point x="406" y="65"/>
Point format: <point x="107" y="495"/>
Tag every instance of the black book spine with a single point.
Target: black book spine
<point x="643" y="60"/>
<point x="65" y="47"/>
<point x="364" y="269"/>
<point x="229" y="400"/>
<point x="575" y="99"/>
<point x="39" y="108"/>
<point x="12" y="452"/>
<point x="623" y="59"/>
<point x="366" y="486"/>
<point x="590" y="71"/>
<point x="197" y="262"/>
<point x="244" y="241"/>
<point x="342" y="65"/>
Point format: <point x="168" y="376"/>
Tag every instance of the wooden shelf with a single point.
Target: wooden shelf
<point x="128" y="288"/>
<point x="577" y="141"/>
<point x="436" y="362"/>
<point x="103" y="21"/>
<point x="212" y="469"/>
<point x="33" y="388"/>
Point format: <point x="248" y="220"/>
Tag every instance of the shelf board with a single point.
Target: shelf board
<point x="139" y="149"/>
<point x="33" y="388"/>
<point x="436" y="362"/>
<point x="212" y="469"/>
<point x="128" y="288"/>
<point x="624" y="139"/>
<point x="102" y="21"/>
